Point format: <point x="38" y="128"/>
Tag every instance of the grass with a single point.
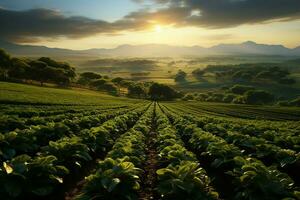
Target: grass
<point x="29" y="94"/>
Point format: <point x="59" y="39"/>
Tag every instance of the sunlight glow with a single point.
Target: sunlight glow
<point x="158" y="28"/>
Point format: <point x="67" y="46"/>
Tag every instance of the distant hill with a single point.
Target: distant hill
<point x="155" y="50"/>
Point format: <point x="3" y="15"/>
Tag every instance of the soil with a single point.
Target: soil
<point x="149" y="180"/>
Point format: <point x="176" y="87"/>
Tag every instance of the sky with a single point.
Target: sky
<point x="85" y="24"/>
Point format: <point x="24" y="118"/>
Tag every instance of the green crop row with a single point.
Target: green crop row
<point x="250" y="178"/>
<point x="44" y="173"/>
<point x="118" y="176"/>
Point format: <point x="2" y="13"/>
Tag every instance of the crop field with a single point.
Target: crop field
<point x="104" y="147"/>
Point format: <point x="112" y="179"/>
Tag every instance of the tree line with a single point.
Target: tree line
<point x="42" y="70"/>
<point x="47" y="70"/>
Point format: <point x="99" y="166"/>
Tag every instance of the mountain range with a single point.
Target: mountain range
<point x="154" y="50"/>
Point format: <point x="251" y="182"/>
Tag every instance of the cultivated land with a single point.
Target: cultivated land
<point x="51" y="139"/>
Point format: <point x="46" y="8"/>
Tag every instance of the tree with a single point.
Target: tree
<point x="240" y="89"/>
<point x="19" y="69"/>
<point x="59" y="72"/>
<point x="180" y="76"/>
<point x="109" y="87"/>
<point x="4" y="63"/>
<point x="137" y="90"/>
<point x="97" y="83"/>
<point x="37" y="71"/>
<point x="258" y="97"/>
<point x="117" y="80"/>
<point x="87" y="77"/>
<point x="198" y="73"/>
<point x="90" y="75"/>
<point x="159" y="91"/>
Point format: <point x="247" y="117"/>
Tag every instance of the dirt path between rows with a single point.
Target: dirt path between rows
<point x="151" y="165"/>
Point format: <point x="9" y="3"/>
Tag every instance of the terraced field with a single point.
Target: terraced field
<point x="148" y="150"/>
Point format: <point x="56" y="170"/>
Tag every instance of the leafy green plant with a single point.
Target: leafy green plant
<point x="70" y="151"/>
<point x="175" y="154"/>
<point x="185" y="181"/>
<point x="115" y="179"/>
<point x="255" y="181"/>
<point x="24" y="175"/>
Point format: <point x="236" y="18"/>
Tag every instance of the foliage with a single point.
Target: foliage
<point x="185" y="181"/>
<point x="115" y="179"/>
<point x="137" y="90"/>
<point x="162" y="92"/>
<point x="258" y="97"/>
<point x="24" y="175"/>
<point x="257" y="181"/>
<point x="240" y="89"/>
<point x="43" y="69"/>
<point x="180" y="76"/>
<point x="87" y="77"/>
<point x="198" y="73"/>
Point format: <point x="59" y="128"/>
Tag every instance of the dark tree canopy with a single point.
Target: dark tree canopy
<point x="198" y="73"/>
<point x="258" y="97"/>
<point x="43" y="70"/>
<point x="4" y="63"/>
<point x="240" y="89"/>
<point x="117" y="80"/>
<point x="180" y="76"/>
<point x="4" y="59"/>
<point x="162" y="92"/>
<point x="137" y="90"/>
<point x="90" y="75"/>
<point x="97" y="83"/>
<point x="19" y="69"/>
<point x="87" y="77"/>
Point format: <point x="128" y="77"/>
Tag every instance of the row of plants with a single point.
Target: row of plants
<point x="242" y="111"/>
<point x="118" y="176"/>
<point x="283" y="134"/>
<point x="43" y="174"/>
<point x="251" y="179"/>
<point x="180" y="175"/>
<point x="30" y="140"/>
<point x="10" y="123"/>
<point x="255" y="146"/>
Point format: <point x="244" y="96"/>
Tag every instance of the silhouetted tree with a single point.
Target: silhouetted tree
<point x="162" y="92"/>
<point x="180" y="76"/>
<point x="198" y="73"/>
<point x="258" y="97"/>
<point x="137" y="90"/>
<point x="4" y="63"/>
<point x="87" y="77"/>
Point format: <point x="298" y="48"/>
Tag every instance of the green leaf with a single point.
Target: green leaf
<point x="113" y="184"/>
<point x="7" y="168"/>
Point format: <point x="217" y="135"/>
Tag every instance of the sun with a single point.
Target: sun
<point x="158" y="28"/>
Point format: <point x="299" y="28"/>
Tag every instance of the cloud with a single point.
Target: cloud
<point x="25" y="25"/>
<point x="35" y="24"/>
<point x="32" y="25"/>
<point x="216" y="14"/>
<point x="230" y="13"/>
